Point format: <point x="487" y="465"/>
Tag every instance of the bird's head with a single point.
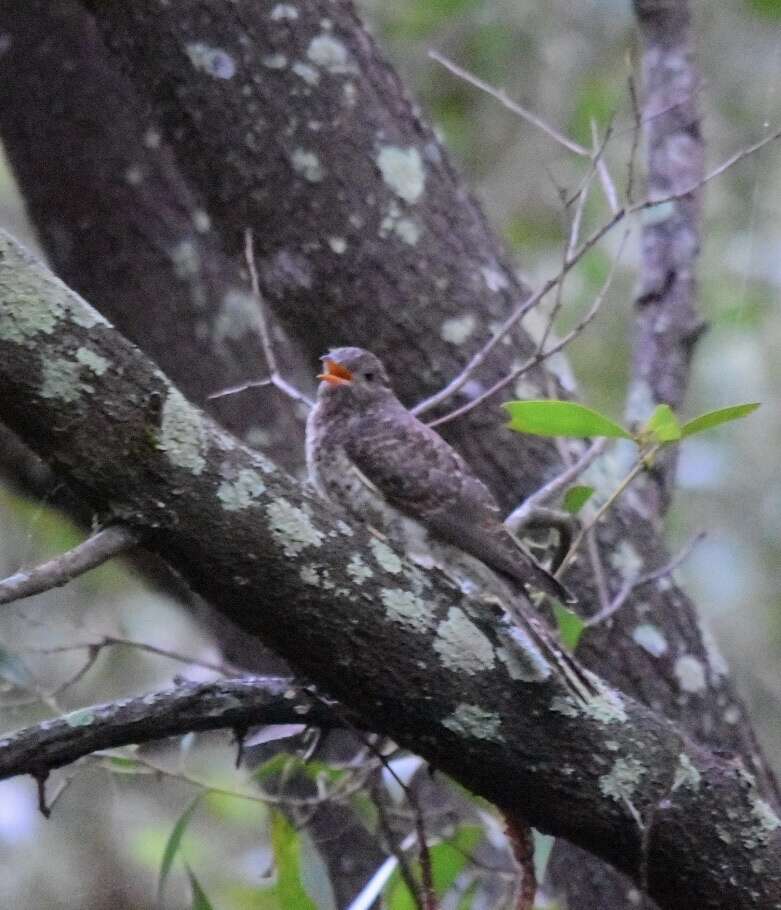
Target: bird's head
<point x="353" y="373"/>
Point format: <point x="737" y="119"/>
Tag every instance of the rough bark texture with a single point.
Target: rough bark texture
<point x="454" y="685"/>
<point x="121" y="225"/>
<point x="296" y="127"/>
<point x="666" y="323"/>
<point x="355" y="159"/>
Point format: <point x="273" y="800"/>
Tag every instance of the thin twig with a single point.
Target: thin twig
<point x="518" y="517"/>
<point x="630" y="175"/>
<point x="478" y="359"/>
<point x="396" y="849"/>
<point x="91" y="553"/>
<point x="110" y="641"/>
<point x="633" y="584"/>
<point x="540" y="356"/>
<point x="716" y="172"/>
<point x="598" y="157"/>
<point x="274" y="378"/>
<point x="501" y="96"/>
<point x="644" y="460"/>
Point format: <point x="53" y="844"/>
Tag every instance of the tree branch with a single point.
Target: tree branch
<point x="667" y="324"/>
<point x="188" y="707"/>
<point x="91" y="553"/>
<point x="472" y="696"/>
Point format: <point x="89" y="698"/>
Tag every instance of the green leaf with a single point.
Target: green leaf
<point x="561" y="418"/>
<point x="173" y="844"/>
<point x="199" y="899"/>
<point x="447" y="861"/>
<point x="663" y="425"/>
<point x="570" y="626"/>
<point x="287" y="856"/>
<point x="576" y="497"/>
<point x="714" y="418"/>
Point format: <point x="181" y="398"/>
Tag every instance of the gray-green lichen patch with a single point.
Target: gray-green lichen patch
<point x="236" y="317"/>
<point x="330" y="54"/>
<point x="407" y="608"/>
<point x="690" y="673"/>
<point x="182" y="435"/>
<point x="34" y="300"/>
<point x="686" y="775"/>
<point x="462" y="646"/>
<point x="338" y="245"/>
<point x="292" y="528"/>
<point x="458" y="329"/>
<point x="716" y="661"/>
<point x="83" y="717"/>
<point x="523" y="659"/>
<point x="605" y="707"/>
<point x="92" y="360"/>
<point x="621" y="782"/>
<point x="650" y="638"/>
<point x="407" y="230"/>
<point x="186" y="259"/>
<point x="402" y="170"/>
<point x="766" y="823"/>
<point x="306" y="72"/>
<point x="213" y="61"/>
<point x="307" y="164"/>
<point x="242" y="492"/>
<point x="284" y="11"/>
<point x="385" y="557"/>
<point x="474" y="722"/>
<point x="358" y="570"/>
<point x="309" y="575"/>
<point x="274" y="61"/>
<point x="60" y="380"/>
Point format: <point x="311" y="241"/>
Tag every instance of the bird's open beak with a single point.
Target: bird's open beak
<point x="335" y="373"/>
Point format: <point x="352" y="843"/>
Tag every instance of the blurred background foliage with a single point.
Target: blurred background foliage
<point x="570" y="63"/>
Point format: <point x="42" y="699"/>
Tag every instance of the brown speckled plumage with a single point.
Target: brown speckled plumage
<point x="365" y="451"/>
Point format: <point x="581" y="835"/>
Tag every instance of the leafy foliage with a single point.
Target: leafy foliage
<point x="570" y="626"/>
<point x="561" y="418"/>
<point x="576" y="497"/>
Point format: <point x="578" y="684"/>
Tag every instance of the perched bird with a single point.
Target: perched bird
<point x="366" y="451"/>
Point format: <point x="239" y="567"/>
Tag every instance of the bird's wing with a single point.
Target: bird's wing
<point x="415" y="469"/>
<point x="423" y="476"/>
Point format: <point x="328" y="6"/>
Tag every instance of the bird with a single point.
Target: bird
<point x="369" y="454"/>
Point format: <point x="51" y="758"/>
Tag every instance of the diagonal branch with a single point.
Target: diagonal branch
<point x="456" y="683"/>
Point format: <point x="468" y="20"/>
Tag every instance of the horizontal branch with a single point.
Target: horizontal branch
<point x="235" y="704"/>
<point x="91" y="553"/>
<point x="456" y="683"/>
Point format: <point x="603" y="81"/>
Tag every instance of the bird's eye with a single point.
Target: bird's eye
<point x="368" y="376"/>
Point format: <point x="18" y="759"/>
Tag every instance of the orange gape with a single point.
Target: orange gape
<point x="335" y="373"/>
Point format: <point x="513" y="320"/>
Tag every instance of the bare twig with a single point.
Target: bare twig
<point x="274" y="378"/>
<point x="632" y="584"/>
<point x="540" y="356"/>
<point x="396" y="849"/>
<point x="598" y="158"/>
<point x="518" y="517"/>
<point x="630" y="168"/>
<point x="501" y="96"/>
<point x="641" y="464"/>
<point x="111" y="641"/>
<point x="91" y="553"/>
